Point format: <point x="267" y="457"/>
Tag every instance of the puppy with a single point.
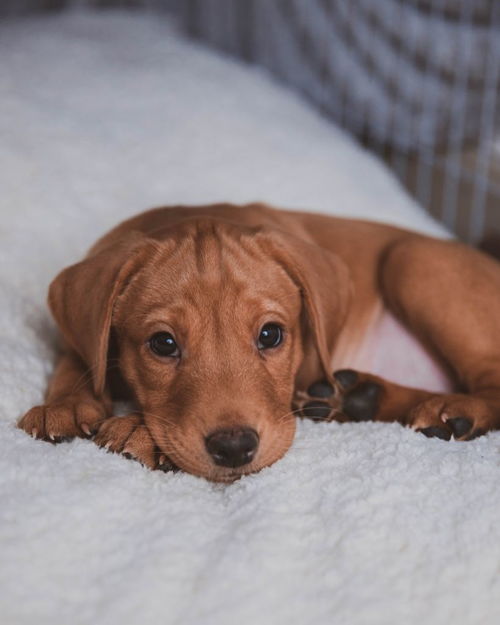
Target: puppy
<point x="224" y="323"/>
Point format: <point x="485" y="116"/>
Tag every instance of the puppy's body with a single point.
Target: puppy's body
<point x="388" y="306"/>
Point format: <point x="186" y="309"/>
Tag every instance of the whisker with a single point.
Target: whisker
<point x="87" y="376"/>
<point x="161" y="418"/>
<point x="295" y="412"/>
<point x="83" y="379"/>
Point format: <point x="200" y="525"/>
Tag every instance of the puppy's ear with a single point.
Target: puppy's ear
<point x="326" y="288"/>
<point x="82" y="296"/>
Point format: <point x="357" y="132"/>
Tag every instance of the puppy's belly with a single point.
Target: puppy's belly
<point x="387" y="349"/>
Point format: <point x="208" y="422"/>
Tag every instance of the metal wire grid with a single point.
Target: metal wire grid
<point x="415" y="80"/>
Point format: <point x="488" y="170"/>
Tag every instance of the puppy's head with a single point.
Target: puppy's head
<point x="214" y="323"/>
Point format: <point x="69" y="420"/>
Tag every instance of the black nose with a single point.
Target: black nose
<point x="232" y="447"/>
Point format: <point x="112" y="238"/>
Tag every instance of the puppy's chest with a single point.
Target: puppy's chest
<point x="384" y="347"/>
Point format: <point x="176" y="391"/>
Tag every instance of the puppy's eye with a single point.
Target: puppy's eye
<point x="270" y="335"/>
<point x="163" y="344"/>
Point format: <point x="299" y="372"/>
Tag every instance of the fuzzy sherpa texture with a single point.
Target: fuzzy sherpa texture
<point x="102" y="116"/>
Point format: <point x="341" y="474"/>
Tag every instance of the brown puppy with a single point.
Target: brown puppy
<point x="223" y="323"/>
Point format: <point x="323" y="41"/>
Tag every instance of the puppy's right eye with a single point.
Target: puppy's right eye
<point x="163" y="344"/>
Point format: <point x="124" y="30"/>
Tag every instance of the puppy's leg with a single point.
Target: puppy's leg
<point x="70" y="408"/>
<point x="128" y="435"/>
<point x="359" y="396"/>
<point x="449" y="296"/>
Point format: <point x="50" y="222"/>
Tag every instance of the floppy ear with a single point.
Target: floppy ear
<point x="326" y="289"/>
<point x="82" y="296"/>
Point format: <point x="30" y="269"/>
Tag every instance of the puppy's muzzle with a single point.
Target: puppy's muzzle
<point x="232" y="447"/>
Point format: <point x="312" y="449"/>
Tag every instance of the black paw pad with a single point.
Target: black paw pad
<point x="361" y="404"/>
<point x="317" y="410"/>
<point x="166" y="466"/>
<point x="320" y="389"/>
<point x="436" y="432"/>
<point x="477" y="432"/>
<point x="59" y="439"/>
<point x="346" y="377"/>
<point x="460" y="426"/>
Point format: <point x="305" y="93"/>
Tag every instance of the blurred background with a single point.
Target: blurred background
<point x="415" y="81"/>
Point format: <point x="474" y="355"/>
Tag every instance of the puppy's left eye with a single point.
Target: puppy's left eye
<point x="270" y="335"/>
<point x="163" y="344"/>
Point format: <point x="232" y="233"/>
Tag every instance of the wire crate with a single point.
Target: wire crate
<point x="415" y="80"/>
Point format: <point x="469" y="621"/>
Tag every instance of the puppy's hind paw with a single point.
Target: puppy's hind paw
<point x="318" y="403"/>
<point x="361" y="394"/>
<point x="464" y="417"/>
<point x="354" y="397"/>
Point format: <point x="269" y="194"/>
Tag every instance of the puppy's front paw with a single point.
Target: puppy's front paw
<point x="63" y="420"/>
<point x="128" y="435"/>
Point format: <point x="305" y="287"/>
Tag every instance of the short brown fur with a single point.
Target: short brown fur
<point x="212" y="276"/>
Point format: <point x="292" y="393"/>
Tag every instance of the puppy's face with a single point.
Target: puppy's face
<point x="215" y="324"/>
<point x="209" y="337"/>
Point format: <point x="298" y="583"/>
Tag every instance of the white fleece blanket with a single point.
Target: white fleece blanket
<point x="104" y="116"/>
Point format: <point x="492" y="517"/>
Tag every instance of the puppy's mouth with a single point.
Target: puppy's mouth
<point x="230" y="476"/>
<point x="226" y="454"/>
<point x="201" y="466"/>
<point x="272" y="448"/>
